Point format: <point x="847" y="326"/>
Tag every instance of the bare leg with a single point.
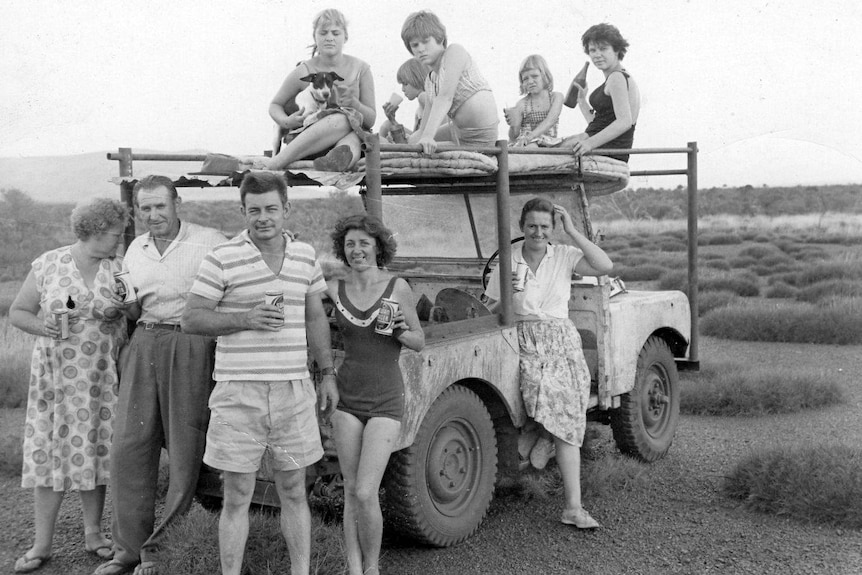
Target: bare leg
<point x="569" y="462"/>
<point x="92" y="505"/>
<point x="233" y="522"/>
<point x="317" y="137"/>
<point x="46" y="505"/>
<point x="367" y="450"/>
<point x="295" y="518"/>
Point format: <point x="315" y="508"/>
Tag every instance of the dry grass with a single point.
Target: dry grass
<point x="736" y="389"/>
<point x="812" y="484"/>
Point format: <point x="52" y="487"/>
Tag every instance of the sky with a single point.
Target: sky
<point x="766" y="88"/>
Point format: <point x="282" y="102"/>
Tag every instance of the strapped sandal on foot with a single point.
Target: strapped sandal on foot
<point x="26" y="564"/>
<point x="580" y="519"/>
<point x="338" y="159"/>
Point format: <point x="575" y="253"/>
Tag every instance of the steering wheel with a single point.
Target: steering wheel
<point x="486" y="271"/>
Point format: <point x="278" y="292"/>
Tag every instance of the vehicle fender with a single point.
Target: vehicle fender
<point x="634" y="317"/>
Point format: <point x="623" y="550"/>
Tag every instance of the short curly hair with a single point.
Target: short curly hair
<point x="98" y="216"/>
<point x="605" y="34"/>
<point x="371" y="225"/>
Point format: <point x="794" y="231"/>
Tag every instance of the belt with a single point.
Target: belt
<point x="168" y="326"/>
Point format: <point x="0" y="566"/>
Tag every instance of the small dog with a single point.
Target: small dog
<point x="318" y="95"/>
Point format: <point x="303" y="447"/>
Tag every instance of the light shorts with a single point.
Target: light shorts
<point x="249" y="417"/>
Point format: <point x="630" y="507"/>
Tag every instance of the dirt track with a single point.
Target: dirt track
<point x="677" y="523"/>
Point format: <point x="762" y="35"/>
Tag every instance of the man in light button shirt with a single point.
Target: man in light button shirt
<point x="165" y="381"/>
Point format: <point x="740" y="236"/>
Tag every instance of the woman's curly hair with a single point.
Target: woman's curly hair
<point x="97" y="216"/>
<point x="605" y="34"/>
<point x="371" y="225"/>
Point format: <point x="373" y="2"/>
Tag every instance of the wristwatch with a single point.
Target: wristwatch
<point x="327" y="371"/>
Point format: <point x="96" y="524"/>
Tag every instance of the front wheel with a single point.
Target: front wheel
<point x="439" y="489"/>
<point x="645" y="423"/>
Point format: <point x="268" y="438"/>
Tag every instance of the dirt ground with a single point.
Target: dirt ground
<point x="679" y="522"/>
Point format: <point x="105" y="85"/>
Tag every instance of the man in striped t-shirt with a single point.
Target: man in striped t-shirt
<point x="264" y="397"/>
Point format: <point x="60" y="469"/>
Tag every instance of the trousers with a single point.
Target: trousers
<point x="165" y="382"/>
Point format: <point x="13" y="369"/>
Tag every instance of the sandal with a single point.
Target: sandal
<point x="104" y="549"/>
<point x="147" y="568"/>
<point x="114" y="567"/>
<point x="26" y="564"/>
<point x="580" y="519"/>
<point x="338" y="159"/>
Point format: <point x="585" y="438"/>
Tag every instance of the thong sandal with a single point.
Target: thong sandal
<point x="147" y="568"/>
<point x="26" y="564"/>
<point x="104" y="550"/>
<point x="114" y="567"/>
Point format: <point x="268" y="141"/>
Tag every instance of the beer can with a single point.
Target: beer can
<point x="61" y="316"/>
<point x="386" y="316"/>
<point x="123" y="287"/>
<point x="520" y="276"/>
<point x="276" y="298"/>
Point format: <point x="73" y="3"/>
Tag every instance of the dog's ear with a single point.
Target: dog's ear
<point x="334" y="76"/>
<point x="309" y="78"/>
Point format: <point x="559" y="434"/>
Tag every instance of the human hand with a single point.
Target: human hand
<point x="264" y="317"/>
<point x="327" y="396"/>
<point x="428" y="143"/>
<point x="509" y="114"/>
<point x="581" y="147"/>
<point x="565" y="218"/>
<point x="389" y="110"/>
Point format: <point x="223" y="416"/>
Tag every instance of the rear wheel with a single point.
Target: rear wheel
<point x="439" y="489"/>
<point x="645" y="423"/>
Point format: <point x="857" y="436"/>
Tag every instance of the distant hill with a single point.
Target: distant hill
<point x="71" y="178"/>
<point x="61" y="179"/>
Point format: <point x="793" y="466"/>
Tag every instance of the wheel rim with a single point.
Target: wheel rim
<point x="655" y="408"/>
<point x="454" y="466"/>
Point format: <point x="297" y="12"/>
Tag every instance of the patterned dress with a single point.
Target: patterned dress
<point x="73" y="382"/>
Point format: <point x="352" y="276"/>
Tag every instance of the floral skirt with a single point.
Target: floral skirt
<point x="555" y="379"/>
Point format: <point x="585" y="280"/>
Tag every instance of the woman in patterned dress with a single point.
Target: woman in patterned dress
<point x="73" y="381"/>
<point x="555" y="379"/>
<point x="367" y="422"/>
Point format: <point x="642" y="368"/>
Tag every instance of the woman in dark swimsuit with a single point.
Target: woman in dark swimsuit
<point x="367" y="422"/>
<point x="613" y="108"/>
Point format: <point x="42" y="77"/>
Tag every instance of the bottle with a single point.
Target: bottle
<point x="397" y="134"/>
<point x="579" y="82"/>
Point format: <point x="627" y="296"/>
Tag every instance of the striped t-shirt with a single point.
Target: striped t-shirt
<point x="235" y="275"/>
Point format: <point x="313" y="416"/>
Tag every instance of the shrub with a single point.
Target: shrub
<point x="741" y="286"/>
<point x="731" y="389"/>
<point x="826" y="290"/>
<point x="11" y="456"/>
<point x="829" y="271"/>
<point x="15" y="352"/>
<point x="719" y="239"/>
<point x="710" y="300"/>
<point x="790" y="322"/>
<point x="671" y="246"/>
<point x="812" y="484"/>
<point x="645" y="272"/>
<point x="742" y="262"/>
<point x="675" y="279"/>
<point x="192" y="545"/>
<point x="780" y="290"/>
<point x="759" y="252"/>
<point x="710" y="256"/>
<point x="715" y="264"/>
<point x="761" y="239"/>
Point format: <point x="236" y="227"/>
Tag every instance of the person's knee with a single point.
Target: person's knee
<point x="366" y="495"/>
<point x="238" y="492"/>
<point x="291" y="488"/>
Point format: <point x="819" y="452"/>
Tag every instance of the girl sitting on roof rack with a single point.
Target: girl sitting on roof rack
<point x="341" y="128"/>
<point x="455" y="88"/>
<point x="533" y="120"/>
